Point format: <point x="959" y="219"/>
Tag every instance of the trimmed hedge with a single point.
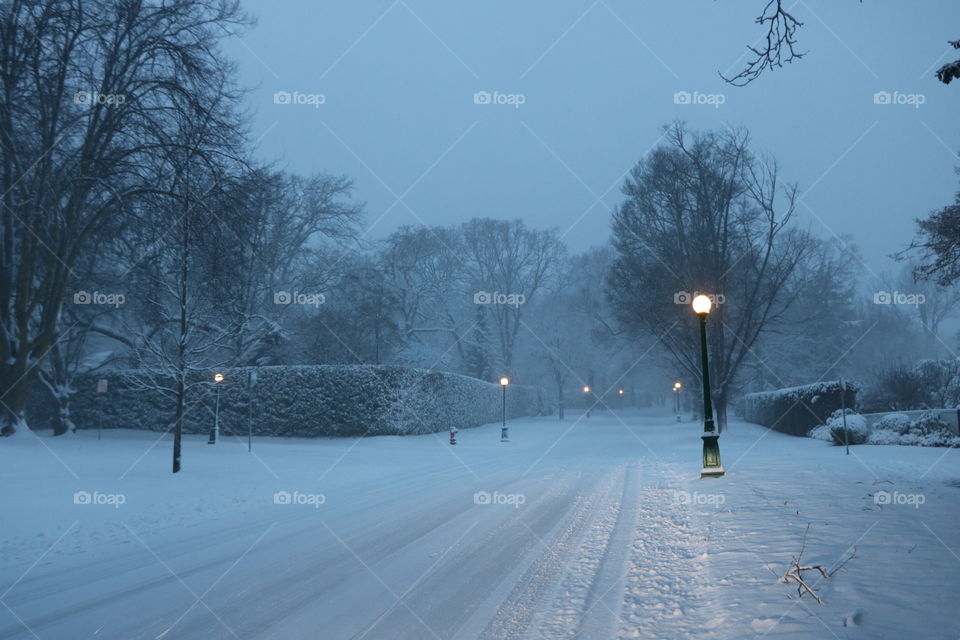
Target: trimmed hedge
<point x="797" y="409"/>
<point x="308" y="401"/>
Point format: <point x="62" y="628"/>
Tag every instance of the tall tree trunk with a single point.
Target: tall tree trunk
<point x="17" y="381"/>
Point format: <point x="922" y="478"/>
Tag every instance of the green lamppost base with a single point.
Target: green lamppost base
<point x="712" y="467"/>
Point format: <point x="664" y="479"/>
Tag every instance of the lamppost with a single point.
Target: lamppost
<point x="620" y="393"/>
<point x="504" y="381"/>
<point x="676" y="397"/>
<point x="586" y="390"/>
<point x="712" y="467"/>
<point x="215" y="432"/>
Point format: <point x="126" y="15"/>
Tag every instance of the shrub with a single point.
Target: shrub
<point x="883" y="436"/>
<point x="821" y="432"/>
<point x="900" y="387"/>
<point x="899" y="423"/>
<point x="927" y="423"/>
<point x="928" y="430"/>
<point x="857" y="429"/>
<point x="792" y="410"/>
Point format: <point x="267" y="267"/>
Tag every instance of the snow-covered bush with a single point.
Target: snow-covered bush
<point x="899" y="423"/>
<point x="327" y="400"/>
<point x="856" y="426"/>
<point x="928" y="430"/>
<point x="821" y="432"/>
<point x="790" y="410"/>
<point x="927" y="423"/>
<point x="883" y="436"/>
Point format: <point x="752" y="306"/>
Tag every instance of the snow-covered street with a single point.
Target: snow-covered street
<point x="589" y="528"/>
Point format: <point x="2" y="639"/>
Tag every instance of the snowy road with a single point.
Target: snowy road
<point x="591" y="528"/>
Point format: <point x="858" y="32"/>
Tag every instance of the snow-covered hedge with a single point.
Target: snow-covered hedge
<point x="308" y="401"/>
<point x="793" y="410"/>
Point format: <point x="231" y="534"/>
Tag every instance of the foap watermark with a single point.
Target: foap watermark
<point x="896" y="498"/>
<point x="296" y="297"/>
<point x="296" y="97"/>
<point x="712" y="499"/>
<point x="898" y="297"/>
<point x="495" y="97"/>
<point x="97" y="498"/>
<point x="512" y="299"/>
<point x="897" y="98"/>
<point x="696" y="98"/>
<point x="685" y="297"/>
<point x="97" y="297"/>
<point x="512" y="499"/>
<point x="296" y="498"/>
<point x="95" y="97"/>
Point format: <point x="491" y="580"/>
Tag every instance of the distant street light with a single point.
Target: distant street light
<point x="215" y="432"/>
<point x="503" y="429"/>
<point x="676" y="397"/>
<point x="620" y="393"/>
<point x="586" y="390"/>
<point x="712" y="466"/>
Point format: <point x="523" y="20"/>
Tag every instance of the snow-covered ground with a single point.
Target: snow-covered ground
<point x="589" y="528"/>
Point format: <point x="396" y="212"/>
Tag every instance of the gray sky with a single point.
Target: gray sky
<point x="597" y="80"/>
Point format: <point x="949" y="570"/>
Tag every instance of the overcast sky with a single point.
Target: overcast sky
<point x="597" y="80"/>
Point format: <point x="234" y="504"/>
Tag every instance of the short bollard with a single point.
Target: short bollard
<point x="453" y="436"/>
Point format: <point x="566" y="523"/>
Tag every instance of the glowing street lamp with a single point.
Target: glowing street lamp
<point x="586" y="390"/>
<point x="620" y="393"/>
<point x="712" y="466"/>
<point x="676" y="397"/>
<point x="504" y="381"/>
<point x="215" y="432"/>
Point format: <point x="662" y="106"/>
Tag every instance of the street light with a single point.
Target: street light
<point x="586" y="389"/>
<point x="504" y="381"/>
<point x="215" y="432"/>
<point x="712" y="466"/>
<point x="620" y="393"/>
<point x="676" y="397"/>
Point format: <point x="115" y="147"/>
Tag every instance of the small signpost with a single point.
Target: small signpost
<point x="843" y="409"/>
<point x="251" y="383"/>
<point x="101" y="388"/>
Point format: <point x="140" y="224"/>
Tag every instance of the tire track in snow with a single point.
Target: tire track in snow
<point x="445" y="599"/>
<point x="663" y="596"/>
<point x="529" y="605"/>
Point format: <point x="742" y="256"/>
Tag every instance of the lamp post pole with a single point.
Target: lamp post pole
<point x="504" y="437"/>
<point x="586" y="390"/>
<point x="215" y="432"/>
<point x="712" y="467"/>
<point x="620" y="393"/>
<point x="676" y="398"/>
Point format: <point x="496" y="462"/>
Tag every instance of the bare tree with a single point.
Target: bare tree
<point x="92" y="91"/>
<point x="780" y="42"/>
<point x="509" y="259"/>
<point x="779" y="46"/>
<point x="934" y="304"/>
<point x="702" y="213"/>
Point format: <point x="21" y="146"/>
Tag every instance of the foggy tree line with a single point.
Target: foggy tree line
<point x="139" y="233"/>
